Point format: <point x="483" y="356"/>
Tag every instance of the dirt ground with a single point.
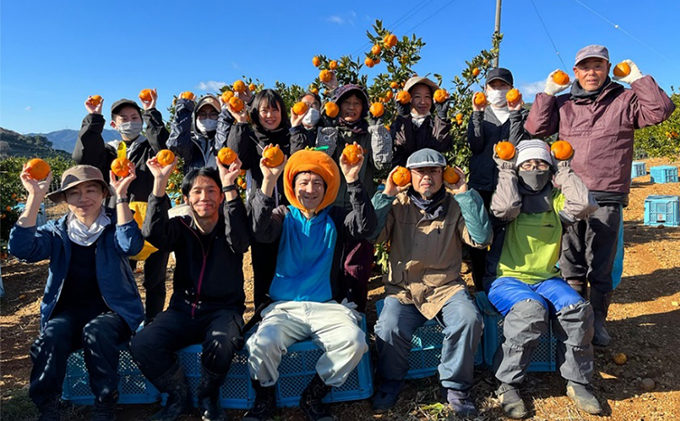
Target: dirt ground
<point x="643" y="321"/>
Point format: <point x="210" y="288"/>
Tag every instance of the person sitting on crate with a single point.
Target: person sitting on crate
<point x="304" y="293"/>
<point x="523" y="282"/>
<point x="208" y="300"/>
<point x="91" y="298"/>
<point x="427" y="225"/>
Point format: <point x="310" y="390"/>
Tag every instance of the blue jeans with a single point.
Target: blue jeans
<point x="462" y="324"/>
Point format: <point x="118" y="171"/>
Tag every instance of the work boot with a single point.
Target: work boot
<point x="387" y="395"/>
<point x="511" y="402"/>
<point x="461" y="402"/>
<point x="600" y="303"/>
<point x="310" y="401"/>
<point x="579" y="285"/>
<point x="265" y="401"/>
<point x="583" y="398"/>
<point x="208" y="394"/>
<point x="105" y="410"/>
<point x="49" y="410"/>
<point x="174" y="383"/>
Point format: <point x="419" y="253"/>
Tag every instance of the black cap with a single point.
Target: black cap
<point x="500" y="73"/>
<point x="124" y="103"/>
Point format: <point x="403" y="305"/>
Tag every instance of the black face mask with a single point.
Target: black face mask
<point x="534" y="180"/>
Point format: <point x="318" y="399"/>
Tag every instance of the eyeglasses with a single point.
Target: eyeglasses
<point x="422" y="172"/>
<point x="533" y="165"/>
<point x="212" y="115"/>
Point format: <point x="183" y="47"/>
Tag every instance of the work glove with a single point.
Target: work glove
<point x="505" y="164"/>
<point x="403" y="110"/>
<point x="442" y="109"/>
<point x="552" y="88"/>
<point x="634" y="74"/>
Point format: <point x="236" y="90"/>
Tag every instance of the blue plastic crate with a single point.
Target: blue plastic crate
<point x="638" y="169"/>
<point x="296" y="370"/>
<point x="662" y="210"/>
<point x="132" y="388"/>
<point x="545" y="356"/>
<point x="664" y="174"/>
<point x="426" y="348"/>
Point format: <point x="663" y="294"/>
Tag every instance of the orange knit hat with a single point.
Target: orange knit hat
<point x="317" y="162"/>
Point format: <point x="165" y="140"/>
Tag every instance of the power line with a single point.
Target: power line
<point x="564" y="66"/>
<point x="432" y="15"/>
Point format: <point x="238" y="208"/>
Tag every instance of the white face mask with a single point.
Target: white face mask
<point x="311" y="118"/>
<point x="206" y="125"/>
<point x="130" y="129"/>
<point x="497" y="97"/>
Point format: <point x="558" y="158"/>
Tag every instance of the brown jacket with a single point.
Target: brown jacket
<point x="601" y="131"/>
<point x="426" y="254"/>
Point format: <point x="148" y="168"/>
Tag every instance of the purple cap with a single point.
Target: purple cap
<point x="590" y="51"/>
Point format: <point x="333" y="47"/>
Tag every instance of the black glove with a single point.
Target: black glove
<point x="403" y="110"/>
<point x="442" y="109"/>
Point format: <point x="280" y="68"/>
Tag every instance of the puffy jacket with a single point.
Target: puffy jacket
<point x="114" y="275"/>
<point x="91" y="149"/>
<point x="433" y="133"/>
<point x="601" y="130"/>
<point x="185" y="140"/>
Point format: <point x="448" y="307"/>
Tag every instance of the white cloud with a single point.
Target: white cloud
<point x="529" y="90"/>
<point x="29" y="108"/>
<point x="344" y="18"/>
<point x="210" y="85"/>
<point x="235" y="66"/>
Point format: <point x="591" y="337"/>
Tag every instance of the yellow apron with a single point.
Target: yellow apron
<point x="139" y="212"/>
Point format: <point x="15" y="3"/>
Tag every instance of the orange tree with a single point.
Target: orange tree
<point x="662" y="140"/>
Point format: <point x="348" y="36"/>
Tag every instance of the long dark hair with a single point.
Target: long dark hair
<point x="271" y="98"/>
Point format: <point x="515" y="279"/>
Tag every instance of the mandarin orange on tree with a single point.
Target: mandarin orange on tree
<point x="562" y="150"/>
<point x="622" y="69"/>
<point x="560" y="78"/>
<point x="333" y="65"/>
<point x="394" y="85"/>
<point x="120" y="167"/>
<point x="403" y="97"/>
<point x="316" y="61"/>
<point x="226" y="156"/>
<point x="475" y="72"/>
<point x="369" y="62"/>
<point x="505" y="150"/>
<point x="332" y="109"/>
<point x="401" y="176"/>
<point x="377" y="109"/>
<point x="300" y="108"/>
<point x="165" y="157"/>
<point x="273" y="156"/>
<point x="351" y="152"/>
<point x="390" y="40"/>
<point x="38" y="169"/>
<point x="376" y="49"/>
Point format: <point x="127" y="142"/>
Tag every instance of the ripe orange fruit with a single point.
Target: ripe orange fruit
<point x="146" y="95"/>
<point x="376" y="60"/>
<point x="187" y="95"/>
<point x="120" y="168"/>
<point x="252" y="87"/>
<point x="95" y="100"/>
<point x="376" y="49"/>
<point x="325" y="75"/>
<point x="300" y="108"/>
<point x="333" y="65"/>
<point x="226" y="156"/>
<point x="274" y="157"/>
<point x="401" y="176"/>
<point x="485" y="61"/>
<point x="389" y="95"/>
<point x="314" y="90"/>
<point x="440" y="95"/>
<point x="38" y="169"/>
<point x="450" y="175"/>
<point x="239" y="86"/>
<point x="316" y="61"/>
<point x="226" y="96"/>
<point x="513" y="95"/>
<point x="390" y="40"/>
<point x="562" y="150"/>
<point x="505" y="150"/>
<point x="459" y="117"/>
<point x="369" y="62"/>
<point x="475" y="72"/>
<point x="243" y="185"/>
<point x="242" y="173"/>
<point x="332" y="109"/>
<point x="171" y="186"/>
<point x="404" y="97"/>
<point x="377" y="109"/>
<point x="480" y="99"/>
<point x="560" y="78"/>
<point x="394" y="85"/>
<point x="622" y="69"/>
<point x="236" y="103"/>
<point x="352" y="152"/>
<point x="165" y="157"/>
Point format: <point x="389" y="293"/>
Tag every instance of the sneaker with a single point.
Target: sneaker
<point x="311" y="401"/>
<point x="461" y="402"/>
<point x="387" y="395"/>
<point x="583" y="398"/>
<point x="511" y="401"/>
<point x="265" y="401"/>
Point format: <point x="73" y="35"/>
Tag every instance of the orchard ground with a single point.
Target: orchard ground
<point x="643" y="321"/>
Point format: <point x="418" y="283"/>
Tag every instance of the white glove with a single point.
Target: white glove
<point x="634" y="74"/>
<point x="552" y="88"/>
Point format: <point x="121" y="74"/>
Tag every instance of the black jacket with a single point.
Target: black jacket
<point x="91" y="150"/>
<point x="433" y="133"/>
<point x="206" y="276"/>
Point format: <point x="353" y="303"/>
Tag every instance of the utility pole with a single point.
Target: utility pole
<point x="498" y="28"/>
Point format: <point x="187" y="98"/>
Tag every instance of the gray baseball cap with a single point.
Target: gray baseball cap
<point x="425" y="158"/>
<point x="592" y="51"/>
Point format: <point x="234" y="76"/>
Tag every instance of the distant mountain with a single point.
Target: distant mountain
<point x="13" y="144"/>
<point x="66" y="139"/>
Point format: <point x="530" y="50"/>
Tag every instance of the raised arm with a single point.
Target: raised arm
<point x="180" y="130"/>
<point x="235" y="217"/>
<point x="156" y="132"/>
<point x="267" y="221"/>
<point x="158" y="228"/>
<point x="90" y="148"/>
<point x="506" y="203"/>
<point x="361" y="221"/>
<point x="578" y="203"/>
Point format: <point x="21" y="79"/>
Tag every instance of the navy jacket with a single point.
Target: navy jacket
<point x="114" y="275"/>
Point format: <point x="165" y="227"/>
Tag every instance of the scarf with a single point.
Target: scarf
<point x="359" y="126"/>
<point x="502" y="113"/>
<point x="80" y="234"/>
<point x="578" y="92"/>
<point x="536" y="201"/>
<point x="279" y="136"/>
<point x="433" y="207"/>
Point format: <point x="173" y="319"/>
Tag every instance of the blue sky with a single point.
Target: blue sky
<point x="54" y="54"/>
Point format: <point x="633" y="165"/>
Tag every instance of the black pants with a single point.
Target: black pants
<point x="218" y="329"/>
<point x="154" y="283"/>
<point x="99" y="334"/>
<point x="264" y="267"/>
<point x="478" y="256"/>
